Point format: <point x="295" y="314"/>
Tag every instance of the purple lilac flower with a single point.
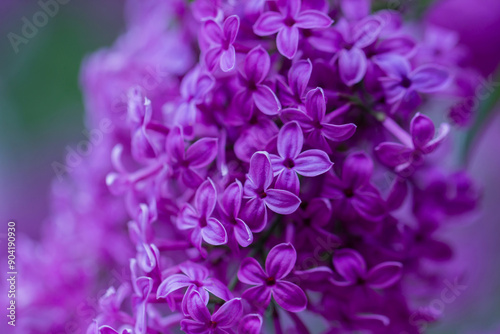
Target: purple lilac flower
<point x="199" y="219"/>
<point x="316" y="124"/>
<point x="287" y="22"/>
<point x="203" y="322"/>
<point x="279" y="263"/>
<point x="260" y="196"/>
<point x="291" y="161"/>
<point x="223" y="147"/>
<point x="222" y="51"/>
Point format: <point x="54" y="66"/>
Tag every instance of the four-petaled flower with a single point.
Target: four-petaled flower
<point x="230" y="210"/>
<point x="201" y="322"/>
<point x="254" y="92"/>
<point x="402" y="84"/>
<point x="185" y="163"/>
<point x="316" y="124"/>
<point x="351" y="266"/>
<point x="287" y="23"/>
<point x="222" y="51"/>
<point x="404" y="157"/>
<point x="291" y="161"/>
<point x="353" y="195"/>
<point x="259" y="195"/>
<point x="199" y="217"/>
<point x="194" y="277"/>
<point x="279" y="263"/>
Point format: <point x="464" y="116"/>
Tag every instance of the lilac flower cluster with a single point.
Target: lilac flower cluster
<point x="278" y="167"/>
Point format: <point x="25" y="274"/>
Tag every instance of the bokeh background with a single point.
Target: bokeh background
<point x="41" y="112"/>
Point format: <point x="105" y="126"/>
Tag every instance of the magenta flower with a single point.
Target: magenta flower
<point x="230" y="210"/>
<point x="351" y="266"/>
<point x="261" y="197"/>
<point x="250" y="324"/>
<point x="292" y="94"/>
<point x="185" y="163"/>
<point x="423" y="140"/>
<point x="198" y="218"/>
<point x="291" y="161"/>
<point x="287" y="23"/>
<point x="222" y="51"/>
<point x="194" y="277"/>
<point x="315" y="124"/>
<point x="402" y="84"/>
<point x="226" y="317"/>
<point x="254" y="92"/>
<point x="352" y="194"/>
<point x="279" y="263"/>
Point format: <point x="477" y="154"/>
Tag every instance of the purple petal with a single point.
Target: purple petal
<point x="254" y="213"/>
<point x="312" y="163"/>
<point x="316" y="104"/>
<point x="172" y="283"/>
<point x="229" y="314"/>
<point x="206" y="198"/>
<point x="191" y="178"/>
<point x="281" y="201"/>
<point x="355" y="9"/>
<point x="289" y="115"/>
<point x="106" y="330"/>
<point x="401" y="45"/>
<point x="257" y="65"/>
<point x="175" y="144"/>
<point x="191" y="326"/>
<point x="251" y="272"/>
<point x="231" y="199"/>
<point x="316" y="139"/>
<point x="357" y="169"/>
<point x="290" y="140"/>
<point x="242" y="233"/>
<point x="228" y="59"/>
<point x="250" y="324"/>
<point x="394" y="65"/>
<point x="430" y="78"/>
<point x="289" y="296"/>
<point x="217" y="288"/>
<point x="299" y="75"/>
<point x="369" y="205"/>
<point x="442" y="132"/>
<point x="266" y="101"/>
<point x="194" y="271"/>
<point x="202" y="153"/>
<point x="393" y="154"/>
<point x="349" y="264"/>
<point x="261" y="171"/>
<point x="213" y="58"/>
<point x="258" y="296"/>
<point x="436" y="250"/>
<point x="268" y="23"/>
<point x="289" y="181"/>
<point x="338" y="132"/>
<point x="319" y="210"/>
<point x="289" y="8"/>
<point x="231" y="27"/>
<point x="366" y="32"/>
<point x="197" y="308"/>
<point x="188" y="218"/>
<point x="384" y="275"/>
<point x="422" y="130"/>
<point x="280" y="261"/>
<point x="214" y="233"/>
<point x="313" y="19"/>
<point x="288" y="41"/>
<point x="213" y="32"/>
<point x="352" y="66"/>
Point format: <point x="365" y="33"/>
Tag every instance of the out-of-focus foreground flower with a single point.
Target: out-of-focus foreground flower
<point x="273" y="166"/>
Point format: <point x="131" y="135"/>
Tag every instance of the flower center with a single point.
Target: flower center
<point x="263" y="194"/>
<point x="289" y="163"/>
<point x="212" y="324"/>
<point x="270" y="281"/>
<point x="348" y="192"/>
<point x="203" y="221"/>
<point x="289" y="21"/>
<point x="405" y="82"/>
